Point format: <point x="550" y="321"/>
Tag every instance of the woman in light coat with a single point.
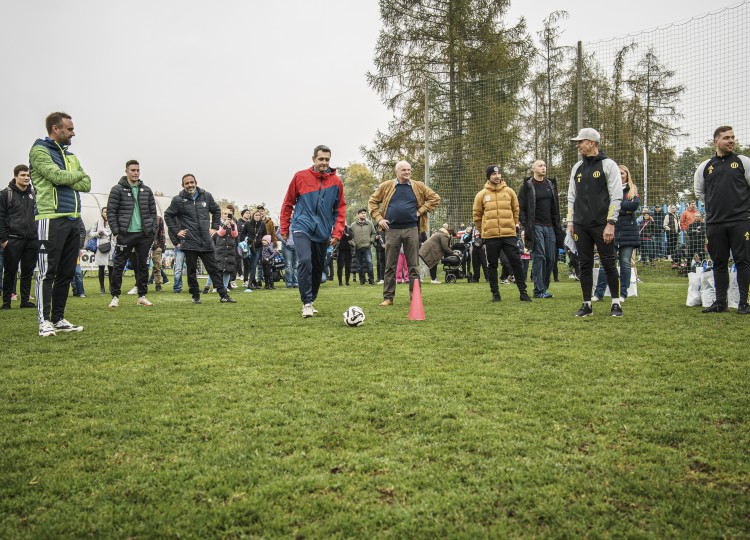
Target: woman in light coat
<point x="103" y="259"/>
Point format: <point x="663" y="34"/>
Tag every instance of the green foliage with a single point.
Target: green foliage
<point x="359" y="183"/>
<point x="457" y="56"/>
<point x="485" y="420"/>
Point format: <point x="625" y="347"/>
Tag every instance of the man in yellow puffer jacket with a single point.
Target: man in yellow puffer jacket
<point x="496" y="218"/>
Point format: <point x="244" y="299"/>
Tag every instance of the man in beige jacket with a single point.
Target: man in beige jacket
<point x="400" y="207"/>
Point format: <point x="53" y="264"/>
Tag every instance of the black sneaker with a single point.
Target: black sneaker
<point x="157" y="288"/>
<point x="525" y="297"/>
<point x="717" y="307"/>
<point x="616" y="311"/>
<point x="585" y="311"/>
<point x="28" y="304"/>
<point x="227" y="300"/>
<point x="496" y="297"/>
<point x="5" y="306"/>
<point x="197" y="299"/>
<point x="742" y="309"/>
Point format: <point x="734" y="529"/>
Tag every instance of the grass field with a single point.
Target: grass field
<point x="484" y="420"/>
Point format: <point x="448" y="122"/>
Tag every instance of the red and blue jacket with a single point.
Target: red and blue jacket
<point x="315" y="205"/>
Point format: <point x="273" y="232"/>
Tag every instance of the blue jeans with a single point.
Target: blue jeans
<point x="311" y="257"/>
<point x="179" y="265"/>
<point x="255" y="268"/>
<point x="543" y="257"/>
<point x="225" y="279"/>
<point x="624" y="255"/>
<point x="290" y="270"/>
<point x="78" y="281"/>
<point x="364" y="261"/>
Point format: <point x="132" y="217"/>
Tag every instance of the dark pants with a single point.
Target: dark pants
<point x="24" y="251"/>
<point x="586" y="238"/>
<point x="139" y="244"/>
<point x="364" y="262"/>
<point x="380" y="256"/>
<point x="509" y="246"/>
<point x="433" y="273"/>
<point x="267" y="272"/>
<point x="246" y="270"/>
<point x="723" y="237"/>
<point x="344" y="263"/>
<point x="673" y="246"/>
<point x="543" y="257"/>
<point x="101" y="276"/>
<point x="59" y="247"/>
<point x="479" y="260"/>
<point x="394" y="239"/>
<point x="209" y="262"/>
<point x="311" y="257"/>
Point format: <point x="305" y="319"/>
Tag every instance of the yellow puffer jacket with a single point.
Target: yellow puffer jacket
<point x="496" y="211"/>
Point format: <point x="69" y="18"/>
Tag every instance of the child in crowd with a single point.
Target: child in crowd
<point x="268" y="253"/>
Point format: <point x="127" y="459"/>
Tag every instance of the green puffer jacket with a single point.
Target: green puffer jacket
<point x="57" y="177"/>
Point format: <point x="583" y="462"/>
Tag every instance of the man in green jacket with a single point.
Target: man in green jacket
<point x="58" y="178"/>
<point x="363" y="234"/>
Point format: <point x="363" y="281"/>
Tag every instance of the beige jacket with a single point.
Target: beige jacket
<point x="427" y="201"/>
<point x="496" y="211"/>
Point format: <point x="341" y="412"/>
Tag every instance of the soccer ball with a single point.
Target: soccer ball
<point x="354" y="316"/>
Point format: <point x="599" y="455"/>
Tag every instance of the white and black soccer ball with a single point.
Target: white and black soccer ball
<point x="354" y="316"/>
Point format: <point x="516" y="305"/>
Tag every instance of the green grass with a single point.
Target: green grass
<point x="484" y="420"/>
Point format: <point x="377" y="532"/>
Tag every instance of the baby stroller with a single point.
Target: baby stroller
<point x="277" y="267"/>
<point x="453" y="263"/>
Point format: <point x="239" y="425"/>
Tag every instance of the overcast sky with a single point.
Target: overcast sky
<point x="236" y="92"/>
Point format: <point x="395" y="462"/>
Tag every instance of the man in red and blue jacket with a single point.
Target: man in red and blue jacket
<point x="314" y="212"/>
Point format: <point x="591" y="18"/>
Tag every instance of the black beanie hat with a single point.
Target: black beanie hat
<point x="492" y="169"/>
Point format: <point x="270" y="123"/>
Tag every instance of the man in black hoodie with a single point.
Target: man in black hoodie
<point x="540" y="218"/>
<point x="18" y="235"/>
<point x="131" y="212"/>
<point x="594" y="197"/>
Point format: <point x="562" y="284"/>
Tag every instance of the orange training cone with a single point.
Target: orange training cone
<point x="416" y="310"/>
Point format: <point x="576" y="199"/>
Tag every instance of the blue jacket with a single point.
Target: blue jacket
<point x="627" y="233"/>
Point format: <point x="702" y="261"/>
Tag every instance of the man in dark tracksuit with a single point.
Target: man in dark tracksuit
<point x="192" y="219"/>
<point x="18" y="235"/>
<point x="723" y="183"/>
<point x="131" y="212"/>
<point x="594" y="197"/>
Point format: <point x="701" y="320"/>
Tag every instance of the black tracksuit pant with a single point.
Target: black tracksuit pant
<point x="24" y="251"/>
<point x="509" y="246"/>
<point x="586" y="238"/>
<point x="59" y="247"/>
<point x="723" y="237"/>
<point x="209" y="262"/>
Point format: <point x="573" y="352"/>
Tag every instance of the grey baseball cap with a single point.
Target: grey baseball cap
<point x="588" y="134"/>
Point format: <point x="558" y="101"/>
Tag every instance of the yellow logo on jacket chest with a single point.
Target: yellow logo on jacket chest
<point x="597" y="174"/>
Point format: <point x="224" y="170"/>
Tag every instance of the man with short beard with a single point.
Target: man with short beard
<point x="723" y="183"/>
<point x="58" y="178"/>
<point x="192" y="220"/>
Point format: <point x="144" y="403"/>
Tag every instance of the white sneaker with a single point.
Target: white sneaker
<point x="46" y="329"/>
<point x="315" y="311"/>
<point x="64" y="326"/>
<point x="143" y="301"/>
<point x="134" y="290"/>
<point x="435" y="282"/>
<point x="115" y="302"/>
<point x="595" y="299"/>
<point x="307" y="311"/>
<point x="622" y="300"/>
<point x="381" y="282"/>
